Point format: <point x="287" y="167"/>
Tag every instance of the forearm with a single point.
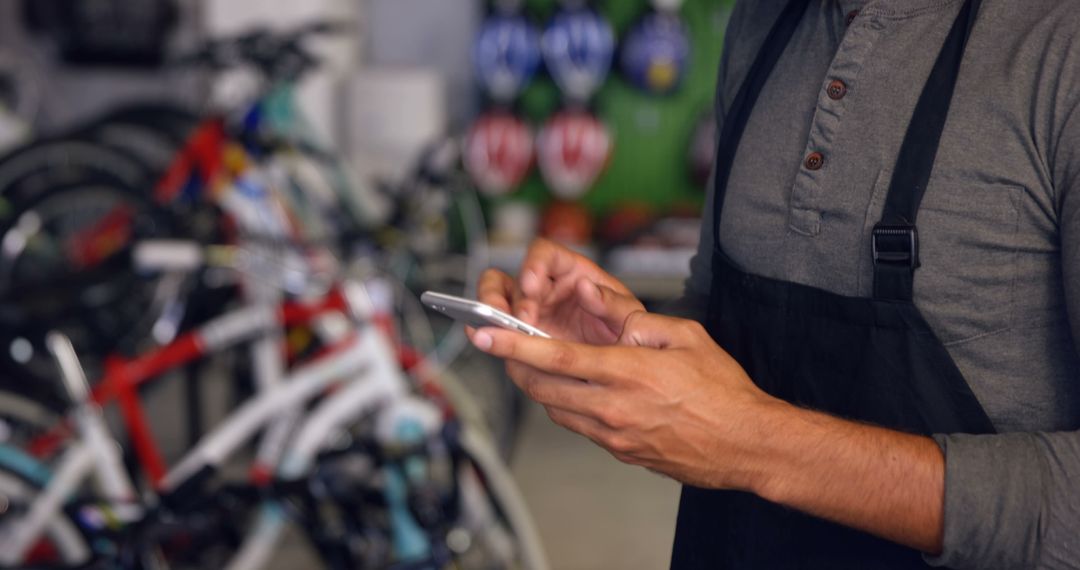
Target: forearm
<point x="887" y="483"/>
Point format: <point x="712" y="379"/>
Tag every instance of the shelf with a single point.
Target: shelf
<point x="652" y="274"/>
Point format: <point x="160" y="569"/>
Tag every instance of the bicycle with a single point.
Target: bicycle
<point x="280" y="483"/>
<point x="92" y="455"/>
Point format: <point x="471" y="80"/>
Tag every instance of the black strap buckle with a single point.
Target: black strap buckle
<point x="896" y="245"/>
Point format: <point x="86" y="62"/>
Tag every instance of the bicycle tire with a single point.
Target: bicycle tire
<point x="26" y="414"/>
<point x="32" y="168"/>
<point x="499" y="519"/>
<point x="106" y="307"/>
<point x="152" y="133"/>
<point x="174" y="121"/>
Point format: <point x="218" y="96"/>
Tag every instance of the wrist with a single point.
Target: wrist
<point x="766" y="453"/>
<point x="785" y="433"/>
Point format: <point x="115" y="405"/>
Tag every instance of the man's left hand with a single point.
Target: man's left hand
<point x="665" y="397"/>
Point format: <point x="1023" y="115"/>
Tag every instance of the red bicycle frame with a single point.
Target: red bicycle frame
<point x="124" y="376"/>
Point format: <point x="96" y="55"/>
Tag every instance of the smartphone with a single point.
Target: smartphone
<point x="476" y="314"/>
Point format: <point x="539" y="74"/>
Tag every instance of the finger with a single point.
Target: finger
<point x="496" y="289"/>
<point x="618" y="444"/>
<point x="606" y="304"/>
<point x="586" y="362"/>
<point x="546" y="263"/>
<point x="549" y="274"/>
<point x="659" y="331"/>
<point x="527" y="309"/>
<point x="554" y="390"/>
<point x="579" y="423"/>
<point x="531" y="309"/>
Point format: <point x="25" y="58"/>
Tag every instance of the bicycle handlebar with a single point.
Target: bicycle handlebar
<point x="277" y="55"/>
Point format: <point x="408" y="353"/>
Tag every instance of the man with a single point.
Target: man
<point x="889" y="274"/>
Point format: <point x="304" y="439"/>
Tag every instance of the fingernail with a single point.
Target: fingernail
<point x="482" y="340"/>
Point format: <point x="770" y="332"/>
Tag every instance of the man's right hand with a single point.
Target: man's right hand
<point x="563" y="293"/>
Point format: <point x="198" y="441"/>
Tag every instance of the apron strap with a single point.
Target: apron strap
<point x="895" y="246"/>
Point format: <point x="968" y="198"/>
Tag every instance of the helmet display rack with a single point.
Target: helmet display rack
<point x="660" y="86"/>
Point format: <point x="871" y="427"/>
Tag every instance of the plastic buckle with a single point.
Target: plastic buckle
<point x="896" y="245"/>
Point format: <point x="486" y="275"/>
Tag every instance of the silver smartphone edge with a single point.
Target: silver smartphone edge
<point x="475" y="313"/>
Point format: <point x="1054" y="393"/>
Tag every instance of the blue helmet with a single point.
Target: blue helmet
<point x="506" y="55"/>
<point x="578" y="48"/>
<point x="656" y="53"/>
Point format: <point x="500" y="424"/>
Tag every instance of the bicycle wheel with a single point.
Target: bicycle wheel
<point x="24" y="417"/>
<point x="152" y="133"/>
<point x="502" y="513"/>
<point x="36" y="167"/>
<point x="447" y="502"/>
<point x="68" y="267"/>
<point x="114" y="535"/>
<point x="166" y="118"/>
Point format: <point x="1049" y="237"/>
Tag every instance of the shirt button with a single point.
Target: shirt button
<point x="836" y="89"/>
<point x="814" y="161"/>
<point x="850" y="17"/>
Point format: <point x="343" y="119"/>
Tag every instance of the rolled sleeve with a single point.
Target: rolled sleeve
<point x="1012" y="501"/>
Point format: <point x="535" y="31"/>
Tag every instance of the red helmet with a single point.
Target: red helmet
<point x="498" y="152"/>
<point x="573" y="150"/>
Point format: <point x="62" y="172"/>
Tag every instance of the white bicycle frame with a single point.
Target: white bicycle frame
<point x="94" y="455"/>
<point x="370" y="378"/>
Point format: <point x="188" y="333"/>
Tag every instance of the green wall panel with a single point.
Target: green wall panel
<point x="652" y="133"/>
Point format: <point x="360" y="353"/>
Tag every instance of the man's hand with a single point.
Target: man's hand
<point x="562" y="293"/>
<point x="666" y="397"/>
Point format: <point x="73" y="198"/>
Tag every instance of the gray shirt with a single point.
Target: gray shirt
<point x="999" y="228"/>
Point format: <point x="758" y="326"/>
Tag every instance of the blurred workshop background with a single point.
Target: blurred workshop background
<point x="455" y="131"/>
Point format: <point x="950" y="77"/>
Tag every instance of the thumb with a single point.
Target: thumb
<point x="606" y="304"/>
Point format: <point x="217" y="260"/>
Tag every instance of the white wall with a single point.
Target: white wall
<point x="430" y="34"/>
<point x="69" y="95"/>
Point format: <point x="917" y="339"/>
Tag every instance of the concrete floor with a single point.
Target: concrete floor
<point x="593" y="512"/>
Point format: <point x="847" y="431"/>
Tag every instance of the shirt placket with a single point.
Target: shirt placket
<point x="814" y="177"/>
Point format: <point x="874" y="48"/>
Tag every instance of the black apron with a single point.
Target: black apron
<point x="874" y="360"/>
